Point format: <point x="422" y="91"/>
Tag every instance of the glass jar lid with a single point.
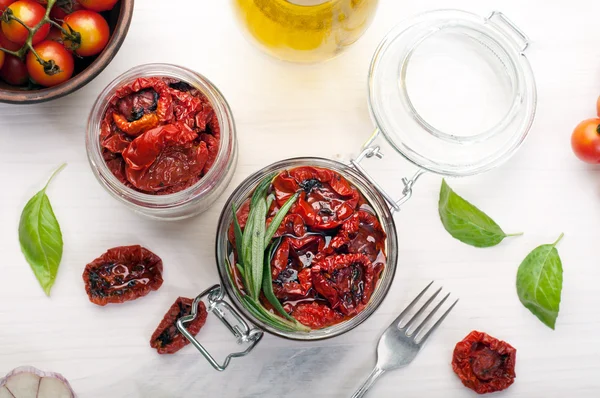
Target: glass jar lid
<point x="453" y="92"/>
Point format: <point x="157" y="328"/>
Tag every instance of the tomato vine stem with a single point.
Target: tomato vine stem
<point x="50" y="67"/>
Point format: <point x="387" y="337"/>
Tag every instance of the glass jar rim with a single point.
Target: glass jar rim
<point x="516" y="122"/>
<point x="374" y="198"/>
<point x="107" y="178"/>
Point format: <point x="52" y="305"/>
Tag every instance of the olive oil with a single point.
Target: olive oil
<point x="305" y="30"/>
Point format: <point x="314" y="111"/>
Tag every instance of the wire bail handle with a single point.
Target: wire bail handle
<point x="224" y="311"/>
<point x="369" y="150"/>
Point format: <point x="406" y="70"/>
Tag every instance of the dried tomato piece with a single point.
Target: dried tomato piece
<point x="347" y="281"/>
<point x="292" y="224"/>
<point x="164" y="105"/>
<point x="327" y="198"/>
<point x="166" y="338"/>
<point x="136" y="105"/>
<point x="362" y="233"/>
<point x="137" y="127"/>
<point x="483" y="363"/>
<point x="122" y="274"/>
<point x="164" y="157"/>
<point x="316" y="315"/>
<point x="213" y="150"/>
<point x="290" y="267"/>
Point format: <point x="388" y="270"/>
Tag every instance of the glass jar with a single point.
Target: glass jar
<point x="188" y="202"/>
<point x="304" y="30"/>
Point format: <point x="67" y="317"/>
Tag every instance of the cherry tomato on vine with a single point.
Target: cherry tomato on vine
<point x="59" y="13"/>
<point x="14" y="71"/>
<point x="586" y="141"/>
<point x="93" y="32"/>
<point x="31" y="14"/>
<point x="50" y="50"/>
<point x="55" y="35"/>
<point x="5" y="3"/>
<point x="7" y="44"/>
<point x="98" y="5"/>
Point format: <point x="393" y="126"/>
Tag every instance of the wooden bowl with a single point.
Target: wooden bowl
<point x="86" y="69"/>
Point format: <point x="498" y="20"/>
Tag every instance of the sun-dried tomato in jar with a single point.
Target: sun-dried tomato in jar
<point x="483" y="363"/>
<point x="327" y="254"/>
<point x="159" y="135"/>
<point x="167" y="339"/>
<point x="122" y="274"/>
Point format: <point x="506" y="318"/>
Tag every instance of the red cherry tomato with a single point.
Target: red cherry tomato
<point x="59" y="13"/>
<point x="1" y="59"/>
<point x="14" y="71"/>
<point x="93" y="31"/>
<point x="50" y="50"/>
<point x="55" y="35"/>
<point x="29" y="12"/>
<point x="7" y="44"/>
<point x="98" y="5"/>
<point x="5" y="3"/>
<point x="586" y="141"/>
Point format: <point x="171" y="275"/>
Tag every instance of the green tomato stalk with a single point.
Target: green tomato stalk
<point x="50" y="67"/>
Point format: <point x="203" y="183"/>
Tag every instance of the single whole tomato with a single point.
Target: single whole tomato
<point x="31" y="13"/>
<point x="586" y="141"/>
<point x="92" y="29"/>
<point x="14" y="71"/>
<point x="50" y="51"/>
<point x="98" y="5"/>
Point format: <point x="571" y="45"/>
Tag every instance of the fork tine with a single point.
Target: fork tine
<point x="438" y="323"/>
<point x="409" y="307"/>
<point x="423" y="308"/>
<point x="429" y="316"/>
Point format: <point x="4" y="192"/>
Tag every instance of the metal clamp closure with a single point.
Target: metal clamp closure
<point x="230" y="318"/>
<point x="369" y="152"/>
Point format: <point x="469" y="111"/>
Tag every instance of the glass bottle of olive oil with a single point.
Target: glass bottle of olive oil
<point x="305" y="30"/>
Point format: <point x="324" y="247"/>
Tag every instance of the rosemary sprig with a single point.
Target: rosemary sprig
<point x="254" y="266"/>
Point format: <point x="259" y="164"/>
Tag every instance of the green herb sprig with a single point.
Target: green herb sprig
<point x="252" y="263"/>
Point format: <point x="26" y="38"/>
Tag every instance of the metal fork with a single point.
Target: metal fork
<point x="397" y="346"/>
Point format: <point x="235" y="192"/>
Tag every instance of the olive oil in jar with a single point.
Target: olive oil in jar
<point x="304" y="30"/>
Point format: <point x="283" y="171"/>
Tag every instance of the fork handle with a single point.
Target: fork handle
<point x="375" y="374"/>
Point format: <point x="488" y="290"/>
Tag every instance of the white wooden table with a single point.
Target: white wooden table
<point x="543" y="190"/>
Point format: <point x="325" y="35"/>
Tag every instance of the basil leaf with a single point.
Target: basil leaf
<point x="258" y="250"/>
<point x="466" y="222"/>
<point x="41" y="238"/>
<point x="539" y="283"/>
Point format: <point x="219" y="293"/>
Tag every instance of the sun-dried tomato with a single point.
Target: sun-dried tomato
<point x="362" y="233"/>
<point x="166" y="338"/>
<point x="347" y="281"/>
<point x="164" y="157"/>
<point x="316" y="315"/>
<point x="292" y="224"/>
<point x="122" y="274"/>
<point x="327" y="199"/>
<point x="483" y="363"/>
<point x="290" y="267"/>
<point x="165" y="130"/>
